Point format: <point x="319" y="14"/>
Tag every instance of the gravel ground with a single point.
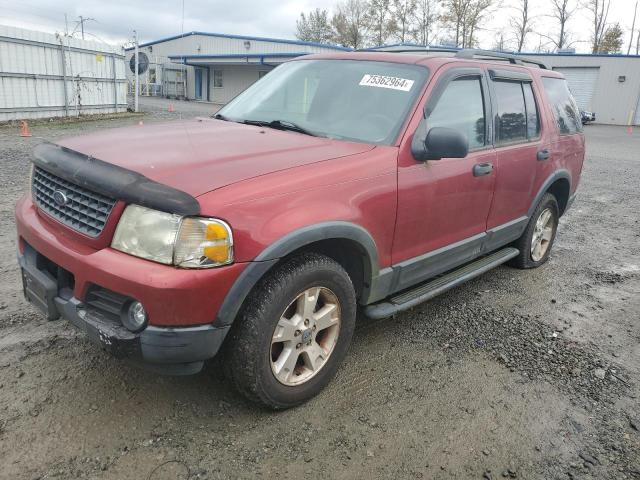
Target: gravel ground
<point x="517" y="374"/>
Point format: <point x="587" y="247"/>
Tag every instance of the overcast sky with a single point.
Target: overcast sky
<point x="153" y="19"/>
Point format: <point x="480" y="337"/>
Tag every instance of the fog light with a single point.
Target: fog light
<point x="135" y="317"/>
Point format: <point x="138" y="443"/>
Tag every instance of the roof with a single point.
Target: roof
<point x="245" y="37"/>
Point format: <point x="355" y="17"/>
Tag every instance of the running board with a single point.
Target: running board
<point x="427" y="291"/>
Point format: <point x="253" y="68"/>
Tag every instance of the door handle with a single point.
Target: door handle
<point x="480" y="169"/>
<point x="543" y="154"/>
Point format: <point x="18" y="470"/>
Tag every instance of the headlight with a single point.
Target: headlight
<point x="188" y="242"/>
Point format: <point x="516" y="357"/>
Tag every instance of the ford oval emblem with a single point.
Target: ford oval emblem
<point x="60" y="198"/>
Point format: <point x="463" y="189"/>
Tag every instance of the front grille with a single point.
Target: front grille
<point x="84" y="211"/>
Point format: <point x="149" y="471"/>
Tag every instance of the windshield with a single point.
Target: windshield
<point x="343" y="99"/>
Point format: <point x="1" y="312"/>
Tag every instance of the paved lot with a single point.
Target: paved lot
<point x="533" y="374"/>
<point x="159" y="108"/>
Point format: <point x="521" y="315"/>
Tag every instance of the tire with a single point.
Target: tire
<point x="533" y="259"/>
<point x="253" y="359"/>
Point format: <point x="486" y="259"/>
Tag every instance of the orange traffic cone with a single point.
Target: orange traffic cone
<point x="171" y="110"/>
<point x="24" y="129"/>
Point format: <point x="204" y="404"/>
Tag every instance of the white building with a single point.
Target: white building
<point x="214" y="67"/>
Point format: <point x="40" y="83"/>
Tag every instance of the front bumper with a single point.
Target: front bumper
<point x="171" y="351"/>
<point x="172" y="297"/>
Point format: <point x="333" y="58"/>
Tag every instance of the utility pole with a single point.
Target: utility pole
<point x="136" y="80"/>
<point x="81" y="23"/>
<point x="633" y="26"/>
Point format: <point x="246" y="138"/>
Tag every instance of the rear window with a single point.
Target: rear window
<point x="511" y="118"/>
<point x="565" y="109"/>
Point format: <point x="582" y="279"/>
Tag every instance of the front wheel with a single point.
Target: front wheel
<point x="293" y="333"/>
<point x="536" y="241"/>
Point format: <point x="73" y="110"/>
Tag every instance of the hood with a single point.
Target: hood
<point x="203" y="154"/>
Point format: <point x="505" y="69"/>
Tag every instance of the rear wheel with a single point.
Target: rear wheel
<point x="536" y="241"/>
<point x="293" y="333"/>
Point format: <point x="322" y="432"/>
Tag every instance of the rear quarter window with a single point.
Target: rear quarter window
<point x="564" y="107"/>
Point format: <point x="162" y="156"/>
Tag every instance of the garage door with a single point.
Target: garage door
<point x="582" y="82"/>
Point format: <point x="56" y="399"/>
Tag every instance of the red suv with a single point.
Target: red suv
<point x="357" y="180"/>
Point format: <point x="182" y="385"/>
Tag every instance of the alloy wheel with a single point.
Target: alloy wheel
<point x="305" y="336"/>
<point x="542" y="235"/>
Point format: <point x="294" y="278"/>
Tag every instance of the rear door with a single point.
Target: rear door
<point x="520" y="147"/>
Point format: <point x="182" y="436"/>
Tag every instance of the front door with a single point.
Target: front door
<point x="443" y="204"/>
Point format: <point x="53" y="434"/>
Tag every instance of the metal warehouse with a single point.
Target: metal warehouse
<point x="44" y="75"/>
<point x="213" y="67"/>
<point x="608" y="85"/>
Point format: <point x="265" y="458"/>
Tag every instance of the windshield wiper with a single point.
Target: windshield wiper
<point x="280" y="125"/>
<point x="219" y="116"/>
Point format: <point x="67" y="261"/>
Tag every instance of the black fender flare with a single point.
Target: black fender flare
<point x="291" y="242"/>
<point x="557" y="175"/>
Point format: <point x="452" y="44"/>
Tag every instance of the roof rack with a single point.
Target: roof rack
<point x="469" y="53"/>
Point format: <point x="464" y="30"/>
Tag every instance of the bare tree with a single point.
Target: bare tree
<point x="314" y="27"/>
<point x="600" y="11"/>
<point x="381" y="23"/>
<point x="454" y="17"/>
<point x="562" y="11"/>
<point x="499" y="43"/>
<point x="521" y="23"/>
<point x="463" y="17"/>
<point x="426" y="15"/>
<point x="350" y="23"/>
<point x="633" y="27"/>
<point x="403" y="13"/>
<point x="477" y="12"/>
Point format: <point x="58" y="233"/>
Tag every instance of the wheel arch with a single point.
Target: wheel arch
<point x="349" y="244"/>
<point x="558" y="184"/>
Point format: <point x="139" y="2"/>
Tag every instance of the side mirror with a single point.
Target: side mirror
<point x="443" y="142"/>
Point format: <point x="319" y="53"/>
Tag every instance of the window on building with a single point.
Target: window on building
<point x="563" y="105"/>
<point x="461" y="107"/>
<point x="218" y="79"/>
<point x="511" y="123"/>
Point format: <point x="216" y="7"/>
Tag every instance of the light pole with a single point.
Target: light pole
<point x="136" y="81"/>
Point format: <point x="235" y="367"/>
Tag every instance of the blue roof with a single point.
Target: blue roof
<point x="241" y="55"/>
<point x="245" y="37"/>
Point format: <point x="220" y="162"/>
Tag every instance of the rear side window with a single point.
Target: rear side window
<point x="511" y="117"/>
<point x="461" y="107"/>
<point x="563" y="105"/>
